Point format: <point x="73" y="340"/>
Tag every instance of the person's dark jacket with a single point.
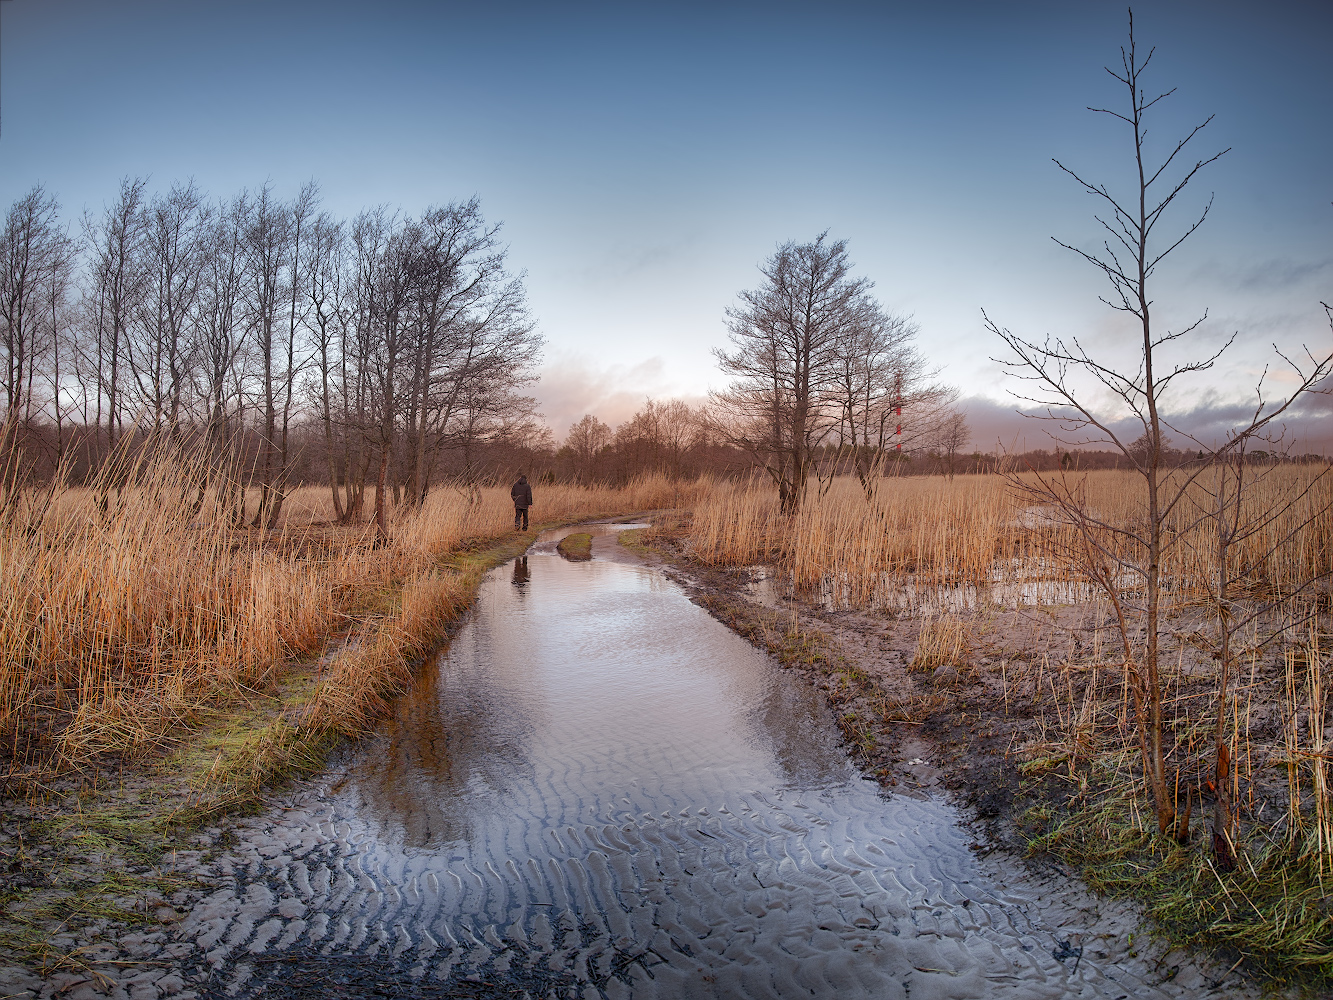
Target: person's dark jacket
<point x="521" y="492"/>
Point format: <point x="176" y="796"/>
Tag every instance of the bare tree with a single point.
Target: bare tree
<point x="267" y="248"/>
<point x="324" y="283"/>
<point x="116" y="286"/>
<point x="385" y="260"/>
<point x="585" y="440"/>
<point x="33" y="255"/>
<point x="221" y="336"/>
<point x="788" y="337"/>
<point x="1133" y="247"/>
<point x="657" y="437"/>
<point x="62" y="347"/>
<point x="299" y="217"/>
<point x="162" y="344"/>
<point x="884" y="394"/>
<point x="474" y="344"/>
<point x="250" y="319"/>
<point x="952" y="437"/>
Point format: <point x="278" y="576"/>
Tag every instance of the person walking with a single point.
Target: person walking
<point x="521" y="493"/>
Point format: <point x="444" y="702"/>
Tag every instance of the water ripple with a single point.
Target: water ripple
<point x="598" y="791"/>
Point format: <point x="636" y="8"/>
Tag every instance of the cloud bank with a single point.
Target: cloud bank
<point x="574" y="384"/>
<point x="998" y="426"/>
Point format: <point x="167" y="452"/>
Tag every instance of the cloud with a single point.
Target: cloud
<point x="1274" y="274"/>
<point x="1306" y="427"/>
<point x="573" y="384"/>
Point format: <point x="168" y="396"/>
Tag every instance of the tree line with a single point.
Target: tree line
<point x="680" y="440"/>
<point x="380" y="353"/>
<point x="249" y="325"/>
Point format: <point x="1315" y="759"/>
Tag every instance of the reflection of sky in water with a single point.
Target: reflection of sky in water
<point x="599" y="784"/>
<point x="602" y="680"/>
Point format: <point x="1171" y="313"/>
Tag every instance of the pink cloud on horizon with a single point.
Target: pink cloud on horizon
<point x="573" y="384"/>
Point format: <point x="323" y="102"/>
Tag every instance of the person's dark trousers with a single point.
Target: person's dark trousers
<point x="521" y="514"/>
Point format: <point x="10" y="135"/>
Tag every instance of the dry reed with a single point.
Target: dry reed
<point x="938" y="547"/>
<point x="917" y="539"/>
<point x="126" y="605"/>
<point x="942" y="642"/>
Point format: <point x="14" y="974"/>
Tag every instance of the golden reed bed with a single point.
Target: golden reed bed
<point x="988" y="530"/>
<point x="116" y="624"/>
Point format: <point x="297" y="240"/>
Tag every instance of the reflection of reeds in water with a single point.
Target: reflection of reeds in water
<point x="125" y="605"/>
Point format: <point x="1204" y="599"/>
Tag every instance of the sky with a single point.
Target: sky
<point x="646" y="158"/>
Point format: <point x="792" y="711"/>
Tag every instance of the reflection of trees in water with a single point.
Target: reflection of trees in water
<point x="454" y="740"/>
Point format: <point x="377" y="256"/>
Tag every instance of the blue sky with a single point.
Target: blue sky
<point x="644" y="158"/>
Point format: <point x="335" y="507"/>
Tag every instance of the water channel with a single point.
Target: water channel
<point x="599" y="791"/>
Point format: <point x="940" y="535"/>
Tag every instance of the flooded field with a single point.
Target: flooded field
<point x="600" y="791"/>
<point x="1010" y="584"/>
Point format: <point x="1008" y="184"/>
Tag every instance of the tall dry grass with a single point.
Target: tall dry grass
<point x="917" y="536"/>
<point x="127" y="605"/>
<point x="933" y="546"/>
<point x="933" y="530"/>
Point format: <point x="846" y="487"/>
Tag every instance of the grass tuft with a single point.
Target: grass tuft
<point x="941" y="642"/>
<point x="1273" y="910"/>
<point x="576" y="547"/>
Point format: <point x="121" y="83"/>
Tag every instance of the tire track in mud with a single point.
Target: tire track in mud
<point x="556" y="814"/>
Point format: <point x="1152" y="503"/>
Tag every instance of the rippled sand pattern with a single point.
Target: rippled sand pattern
<point x="599" y="791"/>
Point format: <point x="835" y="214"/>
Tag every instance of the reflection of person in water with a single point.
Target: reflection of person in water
<point x="521" y="571"/>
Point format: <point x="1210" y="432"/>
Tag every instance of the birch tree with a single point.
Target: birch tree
<point x="1136" y="239"/>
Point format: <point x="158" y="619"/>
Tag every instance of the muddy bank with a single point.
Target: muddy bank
<point x="953" y="727"/>
<point x="987" y="732"/>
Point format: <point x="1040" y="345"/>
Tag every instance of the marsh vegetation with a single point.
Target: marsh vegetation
<point x="121" y="627"/>
<point x="1024" y="635"/>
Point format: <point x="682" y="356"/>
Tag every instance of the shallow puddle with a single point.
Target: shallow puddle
<point x="1009" y="586"/>
<point x="600" y="791"/>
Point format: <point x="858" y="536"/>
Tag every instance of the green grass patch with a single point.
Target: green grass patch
<point x="1275" y="910"/>
<point x="576" y="547"/>
<point x="475" y="556"/>
<point x="246" y="759"/>
<point x="641" y="541"/>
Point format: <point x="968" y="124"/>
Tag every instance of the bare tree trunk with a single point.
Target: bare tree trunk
<point x="381" y="514"/>
<point x="327" y="421"/>
<point x="1128" y="262"/>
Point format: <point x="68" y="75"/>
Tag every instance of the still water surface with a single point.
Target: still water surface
<point x="600" y="791"/>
